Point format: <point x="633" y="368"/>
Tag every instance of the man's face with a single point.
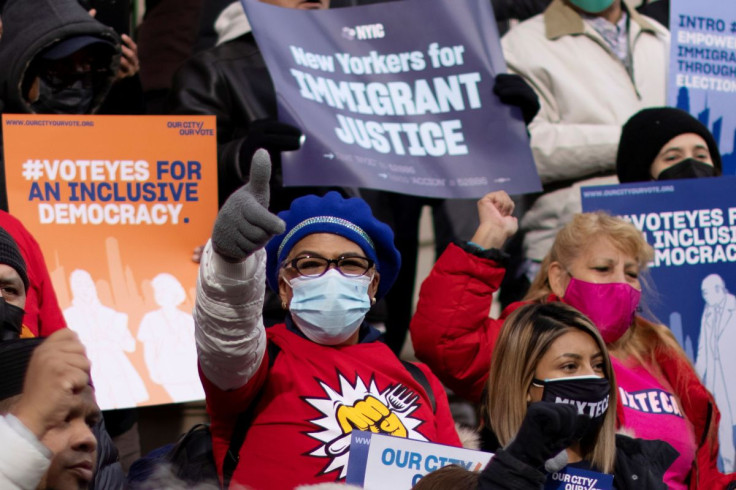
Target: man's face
<point x="74" y="447"/>
<point x="81" y="71"/>
<point x="713" y="292"/>
<point x="300" y="4"/>
<point x="11" y="286"/>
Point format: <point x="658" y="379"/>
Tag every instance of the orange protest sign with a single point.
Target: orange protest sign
<point x="118" y="204"/>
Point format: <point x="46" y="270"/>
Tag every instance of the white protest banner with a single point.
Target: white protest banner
<point x="379" y="461"/>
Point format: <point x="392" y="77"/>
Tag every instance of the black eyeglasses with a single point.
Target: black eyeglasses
<point x="315" y="266"/>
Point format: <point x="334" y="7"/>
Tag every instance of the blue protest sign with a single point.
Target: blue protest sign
<point x="691" y="224"/>
<point x="571" y="478"/>
<point x="703" y="68"/>
<point x="360" y="443"/>
<point x="395" y="96"/>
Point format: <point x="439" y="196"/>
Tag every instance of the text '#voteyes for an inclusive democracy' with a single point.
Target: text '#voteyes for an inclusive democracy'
<point x="111" y="192"/>
<point x="689" y="237"/>
<point x="706" y="53"/>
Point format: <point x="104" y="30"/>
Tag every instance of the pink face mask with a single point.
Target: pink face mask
<point x="610" y="306"/>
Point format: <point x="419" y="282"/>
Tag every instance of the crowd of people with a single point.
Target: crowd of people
<point x="294" y="280"/>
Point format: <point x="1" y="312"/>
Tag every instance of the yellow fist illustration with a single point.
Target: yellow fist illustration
<point x="370" y="414"/>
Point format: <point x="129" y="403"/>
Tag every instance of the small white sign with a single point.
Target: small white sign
<point x="379" y="461"/>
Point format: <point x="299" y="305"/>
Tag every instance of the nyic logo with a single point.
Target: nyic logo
<point x="367" y="31"/>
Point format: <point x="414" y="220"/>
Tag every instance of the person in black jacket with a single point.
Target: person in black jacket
<point x="549" y="355"/>
<point x="232" y="82"/>
<point x="657" y="9"/>
<point x="55" y="59"/>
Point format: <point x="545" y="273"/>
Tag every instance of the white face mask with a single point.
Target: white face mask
<point x="329" y="309"/>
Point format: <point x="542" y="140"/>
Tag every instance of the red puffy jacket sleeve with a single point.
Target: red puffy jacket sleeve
<point x="451" y="329"/>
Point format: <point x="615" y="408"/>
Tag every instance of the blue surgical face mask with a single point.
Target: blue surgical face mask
<point x="329" y="309"/>
<point x="592" y="6"/>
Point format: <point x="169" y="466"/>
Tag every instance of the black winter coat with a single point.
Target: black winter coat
<point x="30" y="27"/>
<point x="640" y="465"/>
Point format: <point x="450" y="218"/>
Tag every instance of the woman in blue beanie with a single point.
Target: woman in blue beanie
<point x="306" y="384"/>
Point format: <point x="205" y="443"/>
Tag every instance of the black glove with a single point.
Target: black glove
<point x="272" y="135"/>
<point x="547" y="429"/>
<point x="244" y="224"/>
<point x="513" y="90"/>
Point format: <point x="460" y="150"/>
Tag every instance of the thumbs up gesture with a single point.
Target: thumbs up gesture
<point x="244" y="224"/>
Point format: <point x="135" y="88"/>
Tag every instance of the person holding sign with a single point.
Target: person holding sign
<point x="56" y="59"/>
<point x="593" y="64"/>
<point x="664" y="143"/>
<point x="232" y="82"/>
<point x="293" y="394"/>
<point x="594" y="265"/>
<point x="549" y="393"/>
<point x="549" y="354"/>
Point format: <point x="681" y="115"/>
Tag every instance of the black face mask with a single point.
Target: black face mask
<point x="11" y="321"/>
<point x="589" y="394"/>
<point x="687" y="169"/>
<point x="72" y="99"/>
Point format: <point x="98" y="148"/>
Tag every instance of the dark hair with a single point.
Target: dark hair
<point x="525" y="337"/>
<point x="451" y="476"/>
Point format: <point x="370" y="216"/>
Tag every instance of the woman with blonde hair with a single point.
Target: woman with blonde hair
<point x="594" y="266"/>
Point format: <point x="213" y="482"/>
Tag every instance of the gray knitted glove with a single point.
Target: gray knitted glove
<point x="244" y="224"/>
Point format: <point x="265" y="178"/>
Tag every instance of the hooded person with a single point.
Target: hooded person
<point x="664" y="143"/>
<point x="56" y="59"/>
<point x="310" y="381"/>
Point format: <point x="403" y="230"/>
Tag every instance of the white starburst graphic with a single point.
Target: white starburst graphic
<point x="396" y="400"/>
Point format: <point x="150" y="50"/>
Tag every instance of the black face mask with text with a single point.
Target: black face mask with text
<point x="589" y="394"/>
<point x="687" y="169"/>
<point x="11" y="321"/>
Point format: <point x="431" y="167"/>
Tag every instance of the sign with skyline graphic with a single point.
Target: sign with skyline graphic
<point x="703" y="69"/>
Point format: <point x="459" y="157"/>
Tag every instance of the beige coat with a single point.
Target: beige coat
<point x="586" y="94"/>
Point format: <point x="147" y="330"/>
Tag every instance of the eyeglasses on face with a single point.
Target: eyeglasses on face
<point x="315" y="266"/>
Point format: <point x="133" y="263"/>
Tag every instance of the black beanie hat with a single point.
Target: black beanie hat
<point x="10" y="255"/>
<point x="14" y="358"/>
<point x="644" y="135"/>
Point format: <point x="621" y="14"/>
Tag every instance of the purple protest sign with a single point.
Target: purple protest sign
<point x="395" y="96"/>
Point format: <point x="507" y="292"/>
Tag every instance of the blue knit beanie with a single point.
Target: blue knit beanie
<point x="349" y="218"/>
